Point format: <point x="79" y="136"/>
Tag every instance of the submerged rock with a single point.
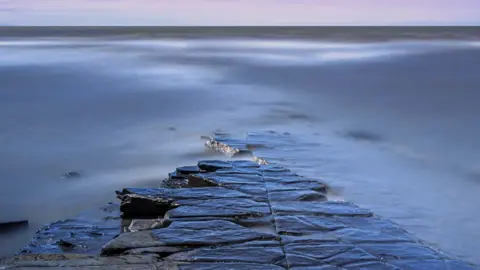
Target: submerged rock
<point x="69" y="175"/>
<point x="13" y="225"/>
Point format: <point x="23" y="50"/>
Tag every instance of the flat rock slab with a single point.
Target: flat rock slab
<point x="320" y="209"/>
<point x="259" y="252"/>
<point x="85" y="234"/>
<point x="186" y="234"/>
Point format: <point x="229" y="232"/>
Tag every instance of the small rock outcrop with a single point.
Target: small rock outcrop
<point x="70" y="175"/>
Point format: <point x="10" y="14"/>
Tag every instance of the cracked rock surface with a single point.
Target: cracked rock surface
<point x="232" y="215"/>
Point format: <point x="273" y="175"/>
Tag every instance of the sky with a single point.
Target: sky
<point x="239" y="12"/>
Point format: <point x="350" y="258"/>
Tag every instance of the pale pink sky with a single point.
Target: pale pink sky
<point x="239" y="12"/>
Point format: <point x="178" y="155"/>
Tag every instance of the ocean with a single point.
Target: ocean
<point x="387" y="116"/>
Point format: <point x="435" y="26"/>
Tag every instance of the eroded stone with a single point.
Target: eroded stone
<point x="189" y="234"/>
<point x="214" y="165"/>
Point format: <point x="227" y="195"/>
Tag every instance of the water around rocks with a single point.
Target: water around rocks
<point x="216" y="222"/>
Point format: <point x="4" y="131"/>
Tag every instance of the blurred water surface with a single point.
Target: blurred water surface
<point x="387" y="116"/>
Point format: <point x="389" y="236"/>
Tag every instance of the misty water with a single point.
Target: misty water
<point x="390" y="123"/>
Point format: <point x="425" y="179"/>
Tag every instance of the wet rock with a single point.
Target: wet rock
<point x="83" y="262"/>
<point x="206" y="193"/>
<point x="279" y="186"/>
<point x="69" y="175"/>
<point x="87" y="232"/>
<point x="243" y="254"/>
<point x="160" y="251"/>
<point x="335" y="254"/>
<point x="225" y="179"/>
<point x="245" y="164"/>
<point x="131" y="240"/>
<point x="257" y="192"/>
<point x="138" y="203"/>
<point x="186" y="234"/>
<point x="363" y="135"/>
<point x="320" y="209"/>
<point x="13" y="225"/>
<point x="175" y="180"/>
<point x="220" y="208"/>
<point x="245" y="183"/>
<point x="235" y="215"/>
<point x="403" y="251"/>
<point x="135" y="206"/>
<point x="176" y="176"/>
<point x="354" y="235"/>
<point x="214" y="165"/>
<point x="246" y="170"/>
<point x="300" y="224"/>
<point x="233" y="148"/>
<point x="297" y="195"/>
<point x="146" y="224"/>
<point x="65" y="244"/>
<point x="195" y="181"/>
<point x="262" y="223"/>
<point x="186" y="170"/>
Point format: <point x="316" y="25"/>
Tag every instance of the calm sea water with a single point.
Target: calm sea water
<point x="387" y="116"/>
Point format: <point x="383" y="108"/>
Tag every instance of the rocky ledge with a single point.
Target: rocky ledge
<point x="231" y="215"/>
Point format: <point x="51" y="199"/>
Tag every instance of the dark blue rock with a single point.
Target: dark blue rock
<point x="186" y="170"/>
<point x="71" y="175"/>
<point x="214" y="165"/>
<point x="186" y="234"/>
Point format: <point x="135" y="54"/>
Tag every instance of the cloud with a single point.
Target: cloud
<point x="239" y="12"/>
